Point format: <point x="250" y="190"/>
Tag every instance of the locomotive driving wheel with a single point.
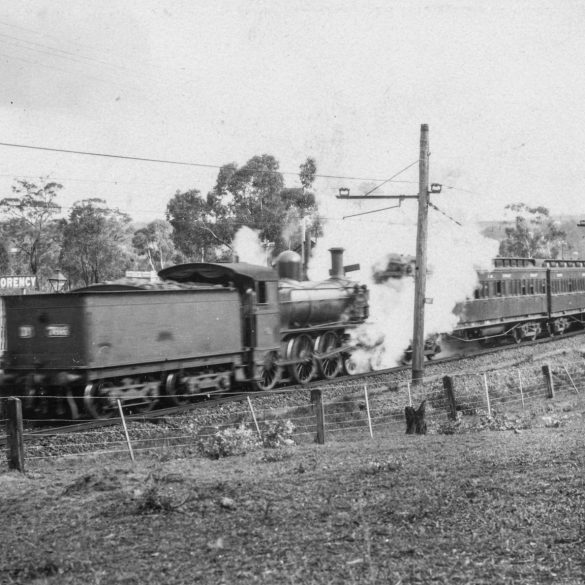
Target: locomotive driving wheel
<point x="270" y="372"/>
<point x="300" y="349"/>
<point x="99" y="399"/>
<point x="331" y="364"/>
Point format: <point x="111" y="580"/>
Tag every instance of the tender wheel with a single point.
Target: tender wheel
<point x="99" y="400"/>
<point x="174" y="391"/>
<point x="329" y="367"/>
<point x="150" y="393"/>
<point x="301" y="348"/>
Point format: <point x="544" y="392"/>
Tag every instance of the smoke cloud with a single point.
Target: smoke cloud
<point x="454" y="254"/>
<point x="248" y="247"/>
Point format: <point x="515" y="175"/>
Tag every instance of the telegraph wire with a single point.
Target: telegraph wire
<point x="67" y="55"/>
<point x="392" y="177"/>
<point x="174" y="162"/>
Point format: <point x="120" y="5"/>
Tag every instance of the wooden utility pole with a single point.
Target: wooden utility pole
<point x="420" y="276"/>
<point x="418" y="337"/>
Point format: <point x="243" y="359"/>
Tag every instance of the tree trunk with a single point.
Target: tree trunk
<point x="415" y="420"/>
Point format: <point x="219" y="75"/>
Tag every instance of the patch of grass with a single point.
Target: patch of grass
<point x="481" y="508"/>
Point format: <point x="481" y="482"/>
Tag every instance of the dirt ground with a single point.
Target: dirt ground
<point x="487" y="507"/>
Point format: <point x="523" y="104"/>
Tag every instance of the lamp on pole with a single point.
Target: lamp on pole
<point x="58" y="281"/>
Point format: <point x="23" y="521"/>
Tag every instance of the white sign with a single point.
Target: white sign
<point x="26" y="331"/>
<point x="18" y="282"/>
<point x="57" y="330"/>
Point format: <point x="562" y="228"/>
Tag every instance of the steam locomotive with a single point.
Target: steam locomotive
<point x="205" y="328"/>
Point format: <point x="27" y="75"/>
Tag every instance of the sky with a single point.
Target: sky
<point x="499" y="83"/>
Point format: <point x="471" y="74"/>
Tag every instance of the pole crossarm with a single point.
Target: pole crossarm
<point x="375" y="197"/>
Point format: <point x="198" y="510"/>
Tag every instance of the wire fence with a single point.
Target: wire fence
<point x="358" y="410"/>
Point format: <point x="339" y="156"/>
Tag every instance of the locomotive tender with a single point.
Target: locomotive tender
<point x="205" y="328"/>
<point x="522" y="298"/>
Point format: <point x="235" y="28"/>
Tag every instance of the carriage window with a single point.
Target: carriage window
<point x="499" y="288"/>
<point x="476" y="293"/>
<point x="523" y="287"/>
<point x="532" y="287"/>
<point x="570" y="285"/>
<point x="262" y="293"/>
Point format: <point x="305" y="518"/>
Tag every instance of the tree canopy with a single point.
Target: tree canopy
<point x="534" y="235"/>
<point x="253" y="195"/>
<point x="30" y="227"/>
<point x="155" y="245"/>
<point x="96" y="243"/>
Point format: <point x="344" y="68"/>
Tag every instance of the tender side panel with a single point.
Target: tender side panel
<point x="156" y="326"/>
<point x="44" y="332"/>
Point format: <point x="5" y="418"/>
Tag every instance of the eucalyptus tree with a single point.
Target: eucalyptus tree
<point x="31" y="229"/>
<point x="97" y="243"/>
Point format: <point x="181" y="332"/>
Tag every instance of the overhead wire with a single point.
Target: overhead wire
<point x="67" y="55"/>
<point x="173" y="162"/>
<point x="392" y="177"/>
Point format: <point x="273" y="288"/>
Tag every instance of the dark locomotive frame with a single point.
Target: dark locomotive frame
<point x="207" y="328"/>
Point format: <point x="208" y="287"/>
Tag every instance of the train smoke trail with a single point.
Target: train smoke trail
<point x="454" y="255"/>
<point x="248" y="247"/>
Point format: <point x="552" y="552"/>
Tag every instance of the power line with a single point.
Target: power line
<point x="174" y="162"/>
<point x="67" y="55"/>
<point x="392" y="177"/>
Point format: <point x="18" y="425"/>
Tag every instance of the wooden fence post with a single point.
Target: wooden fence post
<point x="126" y="430"/>
<point x="548" y="379"/>
<point x="521" y="391"/>
<point x="368" y="410"/>
<point x="571" y="379"/>
<point x="317" y="401"/>
<point x="450" y="394"/>
<point x="487" y="395"/>
<point x="14" y="433"/>
<point x="254" y="417"/>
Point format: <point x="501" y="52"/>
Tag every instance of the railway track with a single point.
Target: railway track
<point x="221" y="398"/>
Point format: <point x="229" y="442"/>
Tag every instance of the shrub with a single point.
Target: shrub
<point x="231" y="441"/>
<point x="277" y="433"/>
<point x="151" y="500"/>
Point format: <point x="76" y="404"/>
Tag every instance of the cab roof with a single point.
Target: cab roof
<point x="239" y="274"/>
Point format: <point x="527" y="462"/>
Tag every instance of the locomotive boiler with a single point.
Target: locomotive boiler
<point x="204" y="328"/>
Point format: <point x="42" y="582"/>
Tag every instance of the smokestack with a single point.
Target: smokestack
<point x="337" y="270"/>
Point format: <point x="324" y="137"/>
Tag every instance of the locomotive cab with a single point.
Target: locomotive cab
<point x="260" y="319"/>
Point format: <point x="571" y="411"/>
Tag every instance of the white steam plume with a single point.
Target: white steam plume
<point x="454" y="255"/>
<point x="248" y="247"/>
